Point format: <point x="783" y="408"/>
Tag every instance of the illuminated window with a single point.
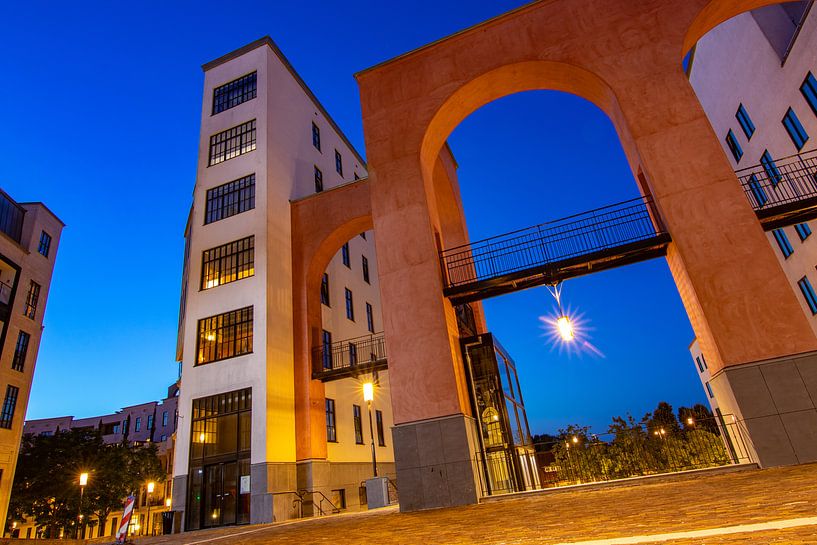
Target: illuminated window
<point x="331" y="429"/>
<point x="491" y="427"/>
<point x="358" y="424"/>
<point x="228" y="263"/>
<point x="235" y="92"/>
<point x="795" y="129"/>
<point x="32" y="298"/>
<point x="45" y="244"/>
<point x="20" y="350"/>
<point x="9" y="404"/>
<point x="734" y="147"/>
<point x="231" y="143"/>
<point x="230" y="199"/>
<point x="225" y="335"/>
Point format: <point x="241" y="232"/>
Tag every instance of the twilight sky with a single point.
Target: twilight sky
<point x="102" y="103"/>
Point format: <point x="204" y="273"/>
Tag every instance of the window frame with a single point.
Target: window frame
<point x="350" y="304"/>
<point x="316" y="137"/>
<point x="338" y="162"/>
<point x="783" y="242"/>
<point x="326" y="298"/>
<point x="247" y="87"/>
<point x="365" y="265"/>
<point x="760" y="195"/>
<point x="770" y="168"/>
<point x="44" y="247"/>
<point x="745" y="121"/>
<point x="239" y="321"/>
<point x="230" y="199"/>
<point x="32" y="300"/>
<point x="734" y="146"/>
<point x="18" y="361"/>
<point x="331" y="415"/>
<point x="228" y="263"/>
<point x="9" y="407"/>
<point x="381" y="435"/>
<point x="369" y="317"/>
<point x="326" y="346"/>
<point x="809" y="91"/>
<point x="357" y="416"/>
<point x="803" y="231"/>
<point x="795" y="128"/>
<point x="345" y="255"/>
<point x="318" y="180"/>
<point x="233" y="142"/>
<point x="808" y="293"/>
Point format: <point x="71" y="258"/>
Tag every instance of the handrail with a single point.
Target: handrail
<point x="299" y="500"/>
<point x="323" y="498"/>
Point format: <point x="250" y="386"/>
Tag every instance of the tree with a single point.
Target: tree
<point x="663" y="417"/>
<point x="702" y="418"/>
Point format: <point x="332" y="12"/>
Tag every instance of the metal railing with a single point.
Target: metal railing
<point x="780" y="182"/>
<point x="547" y="244"/>
<point x="350" y="353"/>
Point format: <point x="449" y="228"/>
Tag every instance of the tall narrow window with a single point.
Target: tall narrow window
<point x="344" y="254"/>
<point x="9" y="404"/>
<point x="228" y="263"/>
<point x="803" y="230"/>
<point x="734" y="147"/>
<point x="150" y="421"/>
<point x="352" y="354"/>
<point x="235" y="92"/>
<point x="350" y="305"/>
<point x="331" y="427"/>
<point x="808" y="293"/>
<point x="700" y="365"/>
<point x="325" y="289"/>
<point x="32" y="298"/>
<point x="795" y="129"/>
<point x="758" y="192"/>
<point x="45" y="244"/>
<point x="316" y="136"/>
<point x="709" y="391"/>
<point x="783" y="242"/>
<point x="18" y="363"/>
<point x="745" y="121"/>
<point x="230" y="199"/>
<point x="358" y="424"/>
<point x="318" y="180"/>
<point x="338" y="162"/>
<point x="369" y="318"/>
<point x="772" y="172"/>
<point x="231" y="143"/>
<point x="381" y="437"/>
<point x="366" y="270"/>
<point x="703" y="360"/>
<point x="164" y="419"/>
<point x="326" y="349"/>
<point x="225" y="335"/>
<point x="809" y="90"/>
<point x="138" y="426"/>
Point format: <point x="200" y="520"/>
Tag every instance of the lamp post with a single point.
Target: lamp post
<point x="83" y="480"/>
<point x="150" y="487"/>
<point x="368" y="397"/>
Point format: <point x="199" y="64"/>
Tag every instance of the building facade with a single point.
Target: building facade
<point x="29" y="238"/>
<point x="266" y="141"/>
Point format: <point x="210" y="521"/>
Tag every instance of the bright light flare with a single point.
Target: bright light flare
<point x="368" y="391"/>
<point x="565" y="328"/>
<point x="83" y="479"/>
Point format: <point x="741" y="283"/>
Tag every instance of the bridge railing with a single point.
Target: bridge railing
<point x="780" y="182"/>
<point x="349" y="353"/>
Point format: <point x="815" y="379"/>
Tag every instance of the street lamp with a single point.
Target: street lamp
<point x="368" y="397"/>
<point x="83" y="480"/>
<point x="151" y="486"/>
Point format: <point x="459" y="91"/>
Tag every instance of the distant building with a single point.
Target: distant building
<point x="29" y="238"/>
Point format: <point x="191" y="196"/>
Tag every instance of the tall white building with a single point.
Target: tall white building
<point x="266" y="141"/>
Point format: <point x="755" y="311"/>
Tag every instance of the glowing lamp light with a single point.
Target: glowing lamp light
<point x="368" y="391"/>
<point x="690" y="421"/>
<point x="201" y="438"/>
<point x="168" y="502"/>
<point x="151" y="487"/>
<point x="565" y="327"/>
<point x="575" y="439"/>
<point x="83" y="479"/>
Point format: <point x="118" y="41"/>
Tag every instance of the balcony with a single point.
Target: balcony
<point x="11" y="217"/>
<point x="349" y="358"/>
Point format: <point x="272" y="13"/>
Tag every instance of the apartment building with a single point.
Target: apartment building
<point x="29" y="238"/>
<point x="266" y="141"/>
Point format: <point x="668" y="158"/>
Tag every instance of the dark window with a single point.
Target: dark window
<point x="150" y="421"/>
<point x="809" y="90"/>
<point x="326" y="345"/>
<point x="795" y="129"/>
<point x="339" y="498"/>
<point x="331" y="427"/>
<point x="734" y="147"/>
<point x="745" y="121"/>
<point x="318" y="180"/>
<point x="344" y="254"/>
<point x="803" y="230"/>
<point x="703" y="360"/>
<point x="325" y="289"/>
<point x="18" y="363"/>
<point x="350" y="305"/>
<point x="163" y="438"/>
<point x="33" y="296"/>
<point x="709" y="390"/>
<point x="356" y="176"/>
<point x="338" y="162"/>
<point x="757" y="191"/>
<point x="45" y="243"/>
<point x="230" y="199"/>
<point x="228" y="263"/>
<point x="808" y="294"/>
<point x="11" y="217"/>
<point x="366" y="270"/>
<point x="700" y="365"/>
<point x="783" y="242"/>
<point x="772" y="172"/>
<point x="363" y="235"/>
<point x="358" y="424"/>
<point x="225" y="335"/>
<point x="138" y="425"/>
<point x="369" y="318"/>
<point x="164" y="419"/>
<point x="231" y="143"/>
<point x="9" y="404"/>
<point x="116" y="428"/>
<point x="381" y="437"/>
<point x="235" y="92"/>
<point x="352" y="354"/>
<point x="316" y="137"/>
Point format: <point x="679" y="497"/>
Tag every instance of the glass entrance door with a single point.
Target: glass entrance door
<point x="220" y="494"/>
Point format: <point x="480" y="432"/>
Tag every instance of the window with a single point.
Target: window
<point x="745" y="121"/>
<point x="703" y="360"/>
<point x="235" y="92"/>
<point x="325" y="289"/>
<point x="116" y="428"/>
<point x="758" y="192"/>
<point x="809" y="90"/>
<point x="734" y="147"/>
<point x="225" y="336"/>
<point x="163" y="438"/>
<point x="221" y="427"/>
<point x="338" y="162"/>
<point x="316" y="137"/>
<point x="164" y="419"/>
<point x="45" y="244"/>
<point x="344" y="254"/>
<point x="230" y="199"/>
<point x="138" y="425"/>
<point x="356" y="176"/>
<point x="150" y="421"/>
<point x="366" y="270"/>
<point x="352" y="354"/>
<point x="783" y="242"/>
<point x="228" y="263"/>
<point x="709" y="390"/>
<point x="700" y="365"/>
<point x="803" y="230"/>
<point x="30" y="308"/>
<point x="808" y="293"/>
<point x="350" y="305"/>
<point x="363" y="235"/>
<point x="326" y="345"/>
<point x="369" y="318"/>
<point x="318" y="180"/>
<point x="331" y="427"/>
<point x="795" y="129"/>
<point x="9" y="405"/>
<point x="772" y="172"/>
<point x="231" y="143"/>
<point x="358" y="424"/>
<point x="381" y="438"/>
<point x="20" y="349"/>
<point x="339" y="498"/>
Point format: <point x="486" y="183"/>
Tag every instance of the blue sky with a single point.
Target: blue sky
<point x="101" y="117"/>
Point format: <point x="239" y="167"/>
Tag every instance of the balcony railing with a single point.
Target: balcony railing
<point x="11" y="217"/>
<point x="349" y="357"/>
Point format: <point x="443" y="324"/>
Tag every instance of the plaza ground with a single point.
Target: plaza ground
<point x="628" y="512"/>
